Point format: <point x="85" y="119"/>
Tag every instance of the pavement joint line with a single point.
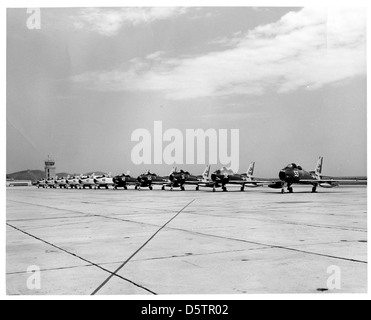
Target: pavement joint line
<point x="81" y="258"/>
<point x="142" y="247"/>
<point x="280" y="247"/>
<point x="98" y="215"/>
<point x="288" y="222"/>
<point x="240" y="240"/>
<point x="140" y="260"/>
<point x="159" y="209"/>
<point x="41" y="219"/>
<point x="205" y="234"/>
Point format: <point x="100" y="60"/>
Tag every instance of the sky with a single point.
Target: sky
<point x="292" y="80"/>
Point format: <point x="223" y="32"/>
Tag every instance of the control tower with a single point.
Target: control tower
<point x="49" y="169"/>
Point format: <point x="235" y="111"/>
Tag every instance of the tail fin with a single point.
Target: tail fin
<point x="128" y="173"/>
<point x="318" y="169"/>
<point x="206" y="172"/>
<point x="173" y="170"/>
<point x="250" y="172"/>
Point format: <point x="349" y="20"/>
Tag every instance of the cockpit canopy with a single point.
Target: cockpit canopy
<point x="224" y="171"/>
<point x="293" y="166"/>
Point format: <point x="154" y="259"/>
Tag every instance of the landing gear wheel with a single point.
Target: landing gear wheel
<point x="242" y="189"/>
<point x="151" y="188"/>
<point x="125" y="188"/>
<point x="290" y="189"/>
<point x="197" y="188"/>
<point x="225" y="189"/>
<point x="182" y="188"/>
<point x="314" y="189"/>
<point x="214" y="190"/>
<point x="136" y="187"/>
<point x="283" y="191"/>
<point x="163" y="188"/>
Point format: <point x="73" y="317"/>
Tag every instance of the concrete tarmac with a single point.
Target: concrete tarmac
<point x="258" y="241"/>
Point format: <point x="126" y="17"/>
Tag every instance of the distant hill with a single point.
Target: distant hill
<point x="35" y="175"/>
<point x="32" y="175"/>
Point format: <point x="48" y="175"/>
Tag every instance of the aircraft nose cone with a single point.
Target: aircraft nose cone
<point x="282" y="175"/>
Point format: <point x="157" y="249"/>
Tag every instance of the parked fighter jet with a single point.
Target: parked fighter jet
<point x="125" y="180"/>
<point x="224" y="176"/>
<point x="148" y="180"/>
<point x="61" y="183"/>
<point x="87" y="181"/>
<point x="294" y="174"/>
<point x="104" y="181"/>
<point x="74" y="182"/>
<point x="41" y="184"/>
<point x="50" y="183"/>
<point x="179" y="179"/>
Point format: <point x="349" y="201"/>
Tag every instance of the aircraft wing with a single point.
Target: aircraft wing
<point x="206" y="184"/>
<point x="131" y="183"/>
<point x="252" y="182"/>
<point x="192" y="183"/>
<point x="331" y="180"/>
<point x="160" y="182"/>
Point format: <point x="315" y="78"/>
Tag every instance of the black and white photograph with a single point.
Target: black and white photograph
<point x="186" y="150"/>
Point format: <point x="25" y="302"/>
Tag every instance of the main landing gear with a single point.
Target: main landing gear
<point x="289" y="189"/>
<point x="314" y="189"/>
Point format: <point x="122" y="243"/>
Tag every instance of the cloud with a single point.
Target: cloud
<point x="306" y="49"/>
<point x="108" y="22"/>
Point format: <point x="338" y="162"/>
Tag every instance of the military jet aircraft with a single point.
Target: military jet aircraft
<point x="74" y="182"/>
<point x="87" y="181"/>
<point x="125" y="180"/>
<point x="104" y="181"/>
<point x="61" y="183"/>
<point x="41" y="184"/>
<point x="179" y="179"/>
<point x="148" y="180"/>
<point x="50" y="183"/>
<point x="295" y="174"/>
<point x="223" y="177"/>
